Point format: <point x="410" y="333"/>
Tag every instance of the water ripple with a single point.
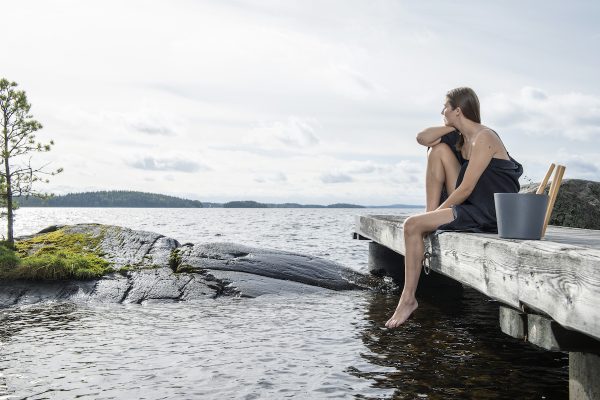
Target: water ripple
<point x="318" y="346"/>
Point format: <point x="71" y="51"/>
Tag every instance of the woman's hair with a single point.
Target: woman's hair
<point x="467" y="100"/>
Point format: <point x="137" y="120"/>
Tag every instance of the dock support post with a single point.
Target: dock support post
<point x="513" y="322"/>
<point x="383" y="261"/>
<point x="584" y="371"/>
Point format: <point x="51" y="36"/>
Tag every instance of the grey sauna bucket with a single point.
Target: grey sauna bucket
<point x="520" y="215"/>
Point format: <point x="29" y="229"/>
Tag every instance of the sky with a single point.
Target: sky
<point x="297" y="101"/>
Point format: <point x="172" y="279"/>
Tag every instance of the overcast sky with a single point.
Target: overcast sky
<point x="297" y="101"/>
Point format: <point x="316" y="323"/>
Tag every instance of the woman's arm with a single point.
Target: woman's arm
<point x="481" y="155"/>
<point x="431" y="136"/>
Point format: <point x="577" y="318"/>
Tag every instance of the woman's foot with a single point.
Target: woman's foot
<point x="403" y="311"/>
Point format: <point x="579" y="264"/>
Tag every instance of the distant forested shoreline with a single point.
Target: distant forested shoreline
<point x="254" y="204"/>
<point x="123" y="198"/>
<point x="131" y="199"/>
<point x="113" y="198"/>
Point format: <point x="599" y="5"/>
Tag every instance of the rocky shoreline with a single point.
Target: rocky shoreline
<point x="149" y="267"/>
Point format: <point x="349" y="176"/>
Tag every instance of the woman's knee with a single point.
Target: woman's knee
<point x="411" y="226"/>
<point x="442" y="158"/>
<point x="440" y="150"/>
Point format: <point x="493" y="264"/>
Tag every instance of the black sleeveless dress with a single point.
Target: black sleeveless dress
<point x="478" y="212"/>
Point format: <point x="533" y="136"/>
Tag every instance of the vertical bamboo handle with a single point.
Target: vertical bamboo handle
<point x="548" y="207"/>
<point x="560" y="171"/>
<point x="545" y="181"/>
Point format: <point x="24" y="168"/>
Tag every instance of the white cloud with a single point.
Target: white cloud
<point x="578" y="166"/>
<point x="294" y="133"/>
<point x="403" y="171"/>
<point x="361" y="167"/>
<point x="147" y="120"/>
<point x="277" y="177"/>
<point x="150" y="163"/>
<point x="122" y="123"/>
<point x="360" y="175"/>
<point x="571" y="115"/>
<point x="335" y="177"/>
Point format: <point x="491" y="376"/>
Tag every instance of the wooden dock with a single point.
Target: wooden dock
<point x="550" y="289"/>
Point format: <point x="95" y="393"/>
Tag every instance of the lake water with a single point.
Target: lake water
<point x="316" y="346"/>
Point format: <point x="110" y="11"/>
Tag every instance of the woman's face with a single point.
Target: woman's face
<point x="450" y="114"/>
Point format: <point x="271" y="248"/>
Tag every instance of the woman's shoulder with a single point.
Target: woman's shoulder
<point x="486" y="130"/>
<point x="488" y="136"/>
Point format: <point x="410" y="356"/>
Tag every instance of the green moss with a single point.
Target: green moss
<point x="61" y="265"/>
<point x="8" y="258"/>
<point x="186" y="268"/>
<point x="175" y="260"/>
<point x="176" y="264"/>
<point x="53" y="256"/>
<point x="58" y="240"/>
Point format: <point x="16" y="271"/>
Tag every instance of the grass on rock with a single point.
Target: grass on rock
<point x="55" y="255"/>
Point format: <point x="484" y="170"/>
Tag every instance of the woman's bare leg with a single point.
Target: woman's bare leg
<point x="442" y="169"/>
<point x="415" y="228"/>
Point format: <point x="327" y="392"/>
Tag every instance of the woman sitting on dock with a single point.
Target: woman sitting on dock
<point x="467" y="164"/>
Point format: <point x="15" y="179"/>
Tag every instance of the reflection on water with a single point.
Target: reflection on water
<point x="43" y="317"/>
<point x="453" y="348"/>
<point x="316" y="346"/>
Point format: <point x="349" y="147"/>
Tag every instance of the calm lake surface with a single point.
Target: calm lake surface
<point x="318" y="346"/>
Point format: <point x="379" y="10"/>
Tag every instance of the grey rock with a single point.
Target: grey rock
<point x="577" y="204"/>
<point x="27" y="292"/>
<point x="127" y="247"/>
<point x="250" y="285"/>
<point x="51" y="228"/>
<point x="269" y="263"/>
<point x="158" y="268"/>
<point x="110" y="289"/>
<point x="136" y="287"/>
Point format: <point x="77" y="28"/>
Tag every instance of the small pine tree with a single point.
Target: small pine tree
<point x="17" y="139"/>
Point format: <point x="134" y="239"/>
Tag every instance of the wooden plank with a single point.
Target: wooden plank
<point x="387" y="229"/>
<point x="559" y="276"/>
<point x="562" y="281"/>
<point x="483" y="262"/>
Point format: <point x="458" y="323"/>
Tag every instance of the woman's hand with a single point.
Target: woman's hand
<point x="431" y="136"/>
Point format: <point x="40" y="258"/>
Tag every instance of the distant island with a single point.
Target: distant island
<point x="399" y="206"/>
<point x="112" y="198"/>
<point x="254" y="204"/>
<point x="131" y="199"/>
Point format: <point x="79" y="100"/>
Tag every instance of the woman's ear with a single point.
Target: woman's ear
<point x="458" y="111"/>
